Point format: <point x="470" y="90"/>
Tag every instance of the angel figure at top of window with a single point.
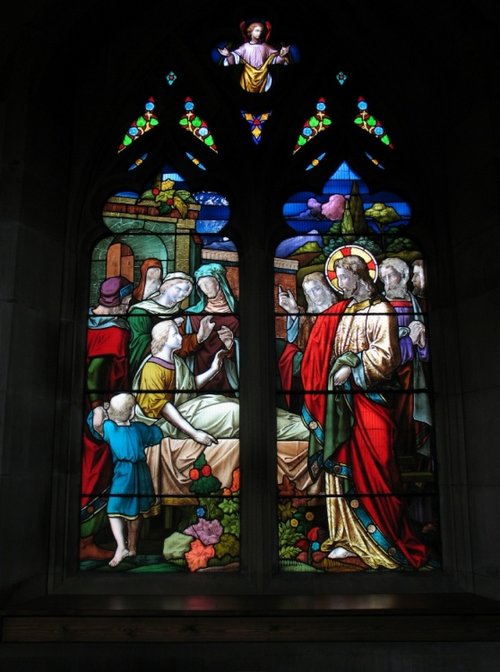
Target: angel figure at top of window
<point x="255" y="55"/>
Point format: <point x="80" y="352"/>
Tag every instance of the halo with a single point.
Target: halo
<point x="347" y="251"/>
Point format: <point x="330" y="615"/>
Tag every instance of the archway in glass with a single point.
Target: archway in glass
<point x="160" y="449"/>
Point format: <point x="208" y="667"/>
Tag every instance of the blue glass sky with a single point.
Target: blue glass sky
<point x="215" y="210"/>
<point x="300" y="218"/>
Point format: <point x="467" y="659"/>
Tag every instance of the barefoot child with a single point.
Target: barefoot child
<point x="131" y="494"/>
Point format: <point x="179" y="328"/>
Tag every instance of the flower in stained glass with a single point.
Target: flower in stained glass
<point x="256" y="122"/>
<point x="196" y="125"/>
<point x="369" y="123"/>
<point x="141" y="125"/>
<point x="170" y="78"/>
<point x="315" y="124"/>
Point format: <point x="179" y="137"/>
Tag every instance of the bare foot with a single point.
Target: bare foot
<point x="89" y="550"/>
<point x="340" y="552"/>
<point x="119" y="555"/>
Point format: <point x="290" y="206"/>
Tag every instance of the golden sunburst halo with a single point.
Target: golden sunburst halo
<point x="347" y="251"/>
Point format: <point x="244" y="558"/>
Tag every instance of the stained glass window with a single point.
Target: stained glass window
<point x="255" y="56"/>
<point x="355" y="467"/>
<point x="144" y="123"/>
<point x="160" y="456"/>
<point x="315" y="162"/>
<point x="316" y="123"/>
<point x="256" y="122"/>
<point x="357" y="490"/>
<point x="195" y="161"/>
<point x="370" y="124"/>
<point x="193" y="123"/>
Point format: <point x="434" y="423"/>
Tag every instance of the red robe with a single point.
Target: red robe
<point x="204" y="354"/>
<point x="97" y="467"/>
<point x="366" y="459"/>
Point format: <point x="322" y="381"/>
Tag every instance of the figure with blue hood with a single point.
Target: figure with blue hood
<point x="217" y="301"/>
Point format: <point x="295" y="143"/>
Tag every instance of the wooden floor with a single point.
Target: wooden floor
<point x="347" y="618"/>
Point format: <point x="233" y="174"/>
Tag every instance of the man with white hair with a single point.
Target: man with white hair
<point x="412" y="407"/>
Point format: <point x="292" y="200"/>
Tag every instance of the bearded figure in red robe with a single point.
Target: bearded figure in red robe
<point x="353" y="354"/>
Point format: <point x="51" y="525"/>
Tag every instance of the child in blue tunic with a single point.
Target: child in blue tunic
<point x="131" y="493"/>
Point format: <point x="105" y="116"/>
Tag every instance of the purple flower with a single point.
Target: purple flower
<point x="207" y="531"/>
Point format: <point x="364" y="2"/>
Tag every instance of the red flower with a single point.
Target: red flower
<point x="312" y="535"/>
<point x="194" y="474"/>
<point x="199" y="555"/>
<point x="206" y="470"/>
<point x="318" y="556"/>
<point x="235" y="485"/>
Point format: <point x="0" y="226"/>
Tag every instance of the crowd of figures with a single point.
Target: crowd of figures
<point x="156" y="369"/>
<point x="353" y="361"/>
<point x="352" y="387"/>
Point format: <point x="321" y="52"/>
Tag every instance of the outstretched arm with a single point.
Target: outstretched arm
<point x="99" y="415"/>
<point x="202" y="378"/>
<point x="282" y="57"/>
<point x="287" y="301"/>
<point x="226" y="336"/>
<point x="227" y="55"/>
<point x="342" y="375"/>
<point x="206" y="327"/>
<point x="171" y="413"/>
